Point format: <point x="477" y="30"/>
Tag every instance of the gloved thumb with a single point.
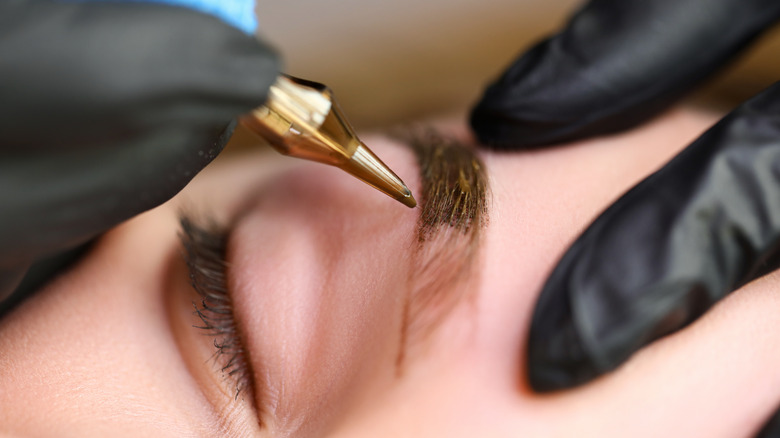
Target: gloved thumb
<point x="617" y="63"/>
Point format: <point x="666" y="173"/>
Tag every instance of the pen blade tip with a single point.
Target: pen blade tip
<point x="408" y="200"/>
<point x="370" y="169"/>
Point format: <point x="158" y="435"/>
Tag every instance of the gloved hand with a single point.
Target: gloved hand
<point x="706" y="223"/>
<point x="108" y="110"/>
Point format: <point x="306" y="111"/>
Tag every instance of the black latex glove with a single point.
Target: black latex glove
<point x="108" y="110"/>
<point x="706" y="223"/>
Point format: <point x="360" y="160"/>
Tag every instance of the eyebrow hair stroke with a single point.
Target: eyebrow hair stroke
<point x="454" y="203"/>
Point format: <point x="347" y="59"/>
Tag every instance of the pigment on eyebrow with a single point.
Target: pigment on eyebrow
<point x="454" y="187"/>
<point x="454" y="203"/>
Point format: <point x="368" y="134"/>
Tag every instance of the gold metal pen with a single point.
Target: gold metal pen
<point x="302" y="119"/>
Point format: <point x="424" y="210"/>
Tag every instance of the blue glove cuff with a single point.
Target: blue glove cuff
<point x="237" y="13"/>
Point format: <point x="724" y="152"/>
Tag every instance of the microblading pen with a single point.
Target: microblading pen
<point x="302" y="119"/>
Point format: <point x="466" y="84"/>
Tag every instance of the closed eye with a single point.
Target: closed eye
<point x="204" y="253"/>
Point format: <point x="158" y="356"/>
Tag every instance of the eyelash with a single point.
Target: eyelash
<point x="204" y="254"/>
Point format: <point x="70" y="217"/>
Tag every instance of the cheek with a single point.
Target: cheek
<point x="541" y="201"/>
<point x="92" y="353"/>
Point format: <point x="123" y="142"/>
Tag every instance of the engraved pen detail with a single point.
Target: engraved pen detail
<point x="302" y="119"/>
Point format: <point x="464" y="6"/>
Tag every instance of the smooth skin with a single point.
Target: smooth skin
<point x="107" y="349"/>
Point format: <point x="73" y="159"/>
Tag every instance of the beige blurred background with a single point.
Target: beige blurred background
<point x="397" y="60"/>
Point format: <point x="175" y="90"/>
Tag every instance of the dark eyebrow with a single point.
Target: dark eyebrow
<point x="454" y="203"/>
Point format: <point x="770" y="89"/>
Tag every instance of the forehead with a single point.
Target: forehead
<point x="541" y="200"/>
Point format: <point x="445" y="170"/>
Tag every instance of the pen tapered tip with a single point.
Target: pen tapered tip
<point x="369" y="168"/>
<point x="408" y="200"/>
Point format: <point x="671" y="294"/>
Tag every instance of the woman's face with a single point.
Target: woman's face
<point x="345" y="324"/>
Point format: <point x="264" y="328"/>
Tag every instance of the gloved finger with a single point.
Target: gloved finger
<point x="717" y="378"/>
<point x="10" y="277"/>
<point x="771" y="428"/>
<point x="617" y="63"/>
<point x="108" y="110"/>
<point x="19" y="282"/>
<point x="81" y="75"/>
<point x="60" y="200"/>
<point x="659" y="257"/>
